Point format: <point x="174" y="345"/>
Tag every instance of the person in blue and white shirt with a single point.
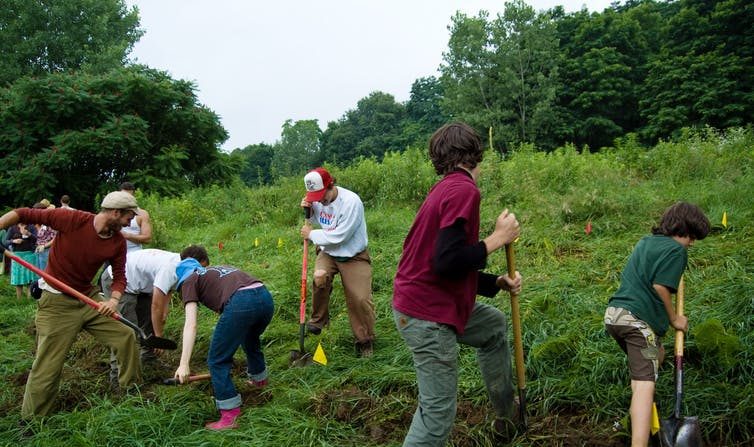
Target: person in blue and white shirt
<point x="341" y="248"/>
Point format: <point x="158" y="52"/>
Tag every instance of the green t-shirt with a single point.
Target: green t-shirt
<point x="656" y="259"/>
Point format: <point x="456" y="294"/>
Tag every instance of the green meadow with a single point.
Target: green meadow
<point x="577" y="377"/>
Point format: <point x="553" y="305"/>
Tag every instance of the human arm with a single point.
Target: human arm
<point x="489" y="285"/>
<point x="110" y="306"/>
<point x="189" y="336"/>
<point x="679" y="322"/>
<point x="117" y="269"/>
<point x="348" y="219"/>
<point x="454" y="258"/>
<point x="145" y="229"/>
<point x="8" y="219"/>
<point x="160" y="310"/>
<point x="506" y="231"/>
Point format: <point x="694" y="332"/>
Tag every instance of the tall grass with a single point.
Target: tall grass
<point x="577" y="378"/>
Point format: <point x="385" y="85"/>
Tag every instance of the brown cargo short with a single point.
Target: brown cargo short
<point x="642" y="346"/>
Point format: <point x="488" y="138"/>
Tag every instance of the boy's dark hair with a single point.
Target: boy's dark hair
<point x="65" y="199"/>
<point x="195" y="251"/>
<point x="127" y="186"/>
<point x="683" y="219"/>
<point x="454" y="144"/>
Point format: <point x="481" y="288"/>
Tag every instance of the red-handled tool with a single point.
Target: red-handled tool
<point x="146" y="340"/>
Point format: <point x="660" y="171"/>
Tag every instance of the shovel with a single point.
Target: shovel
<point x="196" y="378"/>
<point x="517" y="341"/>
<point x="149" y="341"/>
<point x="680" y="431"/>
<point x="301" y="357"/>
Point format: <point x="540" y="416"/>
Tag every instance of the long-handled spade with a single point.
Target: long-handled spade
<point x="517" y="341"/>
<point x="301" y="357"/>
<point x="680" y="431"/>
<point x="145" y="340"/>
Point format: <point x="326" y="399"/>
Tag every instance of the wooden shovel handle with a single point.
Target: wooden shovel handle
<point x="679" y="303"/>
<point x="516" y="319"/>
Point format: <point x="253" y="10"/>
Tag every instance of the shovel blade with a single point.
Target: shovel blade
<point x="158" y="343"/>
<point x="680" y="432"/>
<point x="689" y="434"/>
<point x="300" y="358"/>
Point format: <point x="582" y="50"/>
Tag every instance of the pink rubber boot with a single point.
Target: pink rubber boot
<point x="227" y="420"/>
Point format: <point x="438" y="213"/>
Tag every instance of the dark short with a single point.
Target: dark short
<point x="639" y="342"/>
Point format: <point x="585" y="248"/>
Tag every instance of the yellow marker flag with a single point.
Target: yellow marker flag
<point x="256" y="242"/>
<point x="280" y="242"/>
<point x="319" y="355"/>
<point x="725" y="219"/>
<point x="655" y="424"/>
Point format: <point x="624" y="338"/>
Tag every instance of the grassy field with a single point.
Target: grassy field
<point x="577" y="378"/>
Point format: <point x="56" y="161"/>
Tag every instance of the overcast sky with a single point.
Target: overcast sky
<point x="258" y="63"/>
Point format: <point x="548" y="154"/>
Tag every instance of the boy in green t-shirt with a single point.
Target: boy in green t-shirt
<point x="641" y="310"/>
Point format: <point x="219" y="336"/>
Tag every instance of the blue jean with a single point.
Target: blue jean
<point x="42" y="257"/>
<point x="244" y="318"/>
<point x="434" y="348"/>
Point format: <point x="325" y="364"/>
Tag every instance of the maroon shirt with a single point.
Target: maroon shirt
<point x="214" y="286"/>
<point x="78" y="251"/>
<point x="417" y="291"/>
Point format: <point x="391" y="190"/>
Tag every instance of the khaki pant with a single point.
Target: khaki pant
<point x="59" y="320"/>
<point x="356" y="276"/>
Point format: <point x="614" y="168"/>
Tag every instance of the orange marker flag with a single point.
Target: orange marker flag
<point x="725" y="219"/>
<point x="588" y="228"/>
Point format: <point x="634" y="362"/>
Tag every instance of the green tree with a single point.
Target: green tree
<point x="48" y="36"/>
<point x="82" y="134"/>
<point x="424" y="107"/>
<point x="255" y="164"/>
<point x="298" y="149"/>
<point x="374" y="128"/>
<point x="468" y="74"/>
<point x="604" y="65"/>
<point x="702" y="74"/>
<point x="503" y="74"/>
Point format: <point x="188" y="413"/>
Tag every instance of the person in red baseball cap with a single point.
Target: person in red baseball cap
<point x="341" y="248"/>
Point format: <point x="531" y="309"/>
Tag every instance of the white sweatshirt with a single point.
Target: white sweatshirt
<point x="344" y="228"/>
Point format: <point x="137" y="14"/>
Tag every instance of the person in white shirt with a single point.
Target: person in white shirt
<point x="150" y="278"/>
<point x="341" y="248"/>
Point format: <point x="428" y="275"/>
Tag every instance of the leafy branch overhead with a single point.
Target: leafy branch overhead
<point x="82" y="134"/>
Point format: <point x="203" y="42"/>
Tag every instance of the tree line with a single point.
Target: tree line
<point x="76" y="117"/>
<point x="643" y="67"/>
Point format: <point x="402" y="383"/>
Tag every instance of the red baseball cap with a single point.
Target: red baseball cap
<point x="316" y="182"/>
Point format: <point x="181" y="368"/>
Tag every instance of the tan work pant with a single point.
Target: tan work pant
<point x="59" y="320"/>
<point x="356" y="276"/>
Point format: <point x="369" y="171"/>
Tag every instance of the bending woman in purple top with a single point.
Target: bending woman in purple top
<point x="245" y="307"/>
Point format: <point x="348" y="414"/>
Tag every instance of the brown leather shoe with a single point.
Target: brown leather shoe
<point x="365" y="349"/>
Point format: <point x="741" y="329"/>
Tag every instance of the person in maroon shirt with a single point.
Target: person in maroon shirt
<point x="435" y="288"/>
<point x="83" y="243"/>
